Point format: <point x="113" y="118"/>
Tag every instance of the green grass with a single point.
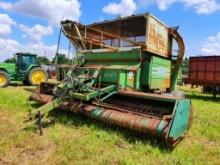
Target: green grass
<point x="71" y="139"/>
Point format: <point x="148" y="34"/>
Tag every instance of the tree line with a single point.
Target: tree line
<point x="43" y="60"/>
<point x="185" y="66"/>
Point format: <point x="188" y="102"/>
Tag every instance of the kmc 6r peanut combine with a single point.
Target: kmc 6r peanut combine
<point x="124" y="74"/>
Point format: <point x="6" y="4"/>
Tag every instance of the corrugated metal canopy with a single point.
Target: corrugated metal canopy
<point x="102" y="34"/>
<point x="132" y="26"/>
<point x="144" y="31"/>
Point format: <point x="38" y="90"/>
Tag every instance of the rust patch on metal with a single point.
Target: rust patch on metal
<point x="42" y="98"/>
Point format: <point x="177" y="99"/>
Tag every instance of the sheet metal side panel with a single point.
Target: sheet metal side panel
<point x="133" y="55"/>
<point x="157" y="37"/>
<point x="204" y="70"/>
<point x="159" y="73"/>
<point x="181" y="119"/>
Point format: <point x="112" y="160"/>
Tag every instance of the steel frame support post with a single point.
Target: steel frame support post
<point x="214" y="92"/>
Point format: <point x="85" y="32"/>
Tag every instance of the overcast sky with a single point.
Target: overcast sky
<point x="33" y="25"/>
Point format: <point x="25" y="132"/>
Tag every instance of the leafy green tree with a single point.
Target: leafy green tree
<point x="185" y="66"/>
<point x="43" y="60"/>
<point x="10" y="60"/>
<point x="61" y="59"/>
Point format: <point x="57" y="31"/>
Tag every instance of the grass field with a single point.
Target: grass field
<point x="71" y="139"/>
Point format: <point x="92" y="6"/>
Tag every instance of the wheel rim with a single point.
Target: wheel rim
<point x="38" y="76"/>
<point x="3" y="80"/>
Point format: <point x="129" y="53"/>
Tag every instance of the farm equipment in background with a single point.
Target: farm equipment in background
<point x="205" y="71"/>
<point x="25" y="69"/>
<point x="121" y="74"/>
<point x="51" y="71"/>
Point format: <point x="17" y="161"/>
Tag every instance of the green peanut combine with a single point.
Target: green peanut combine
<point x="124" y="74"/>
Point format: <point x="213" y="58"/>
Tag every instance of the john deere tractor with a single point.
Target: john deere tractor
<point x="24" y="69"/>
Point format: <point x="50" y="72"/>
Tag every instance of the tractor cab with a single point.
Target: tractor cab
<point x="24" y="61"/>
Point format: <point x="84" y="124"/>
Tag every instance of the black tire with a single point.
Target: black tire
<point x="5" y="74"/>
<point x="30" y="80"/>
<point x="25" y="82"/>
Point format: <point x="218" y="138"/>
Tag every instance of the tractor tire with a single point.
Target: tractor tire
<point x="4" y="79"/>
<point x="37" y="76"/>
<point x="25" y="82"/>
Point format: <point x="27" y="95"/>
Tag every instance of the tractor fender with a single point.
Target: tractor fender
<point x="11" y="73"/>
<point x="7" y="71"/>
<point x="31" y="67"/>
<point x="6" y="79"/>
<point x="3" y="69"/>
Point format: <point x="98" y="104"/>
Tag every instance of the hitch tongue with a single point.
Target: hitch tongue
<point x="39" y="113"/>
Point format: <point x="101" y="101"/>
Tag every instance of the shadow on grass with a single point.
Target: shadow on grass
<point x="26" y="87"/>
<point x="35" y="105"/>
<point x="203" y="97"/>
<point x="16" y="84"/>
<point x="30" y="88"/>
<point x="68" y="118"/>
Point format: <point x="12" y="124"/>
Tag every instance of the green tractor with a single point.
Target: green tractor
<point x="25" y="69"/>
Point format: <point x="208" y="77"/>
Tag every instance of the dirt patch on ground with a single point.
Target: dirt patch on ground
<point x="202" y="140"/>
<point x="19" y="146"/>
<point x="29" y="153"/>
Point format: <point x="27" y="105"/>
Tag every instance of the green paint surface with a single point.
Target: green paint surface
<point x="180" y="119"/>
<point x="10" y="68"/>
<point x="156" y="73"/>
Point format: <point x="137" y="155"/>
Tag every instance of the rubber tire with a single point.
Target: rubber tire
<point x="7" y="79"/>
<point x="36" y="69"/>
<point x="25" y="82"/>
